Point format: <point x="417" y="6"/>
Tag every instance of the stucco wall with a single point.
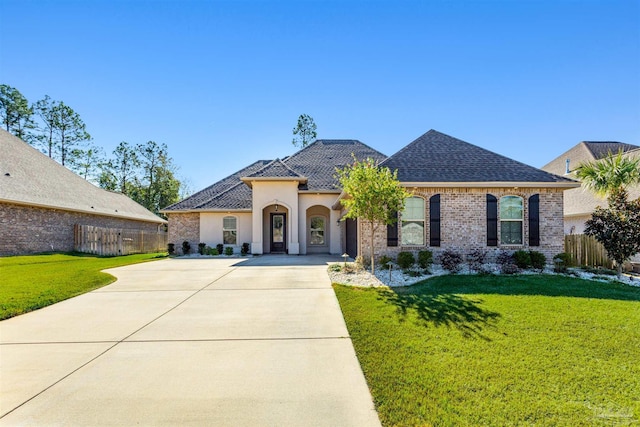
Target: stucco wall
<point x="464" y="227"/>
<point x="268" y="193"/>
<point x="27" y="229"/>
<point x="211" y="228"/>
<point x="311" y="203"/>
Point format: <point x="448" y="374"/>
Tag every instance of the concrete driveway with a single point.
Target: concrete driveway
<point x="221" y="342"/>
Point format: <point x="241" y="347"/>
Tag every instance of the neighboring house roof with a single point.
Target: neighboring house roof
<point x="313" y="166"/>
<point x="600" y="149"/>
<point x="580" y="201"/>
<point x="28" y="177"/>
<point x="438" y="158"/>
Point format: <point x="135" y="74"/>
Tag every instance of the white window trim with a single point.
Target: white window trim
<point x="500" y="220"/>
<point x="230" y="229"/>
<point x="424" y="225"/>
<point x="324" y="230"/>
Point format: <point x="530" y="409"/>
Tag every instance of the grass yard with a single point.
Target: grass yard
<point x="499" y="351"/>
<point x="31" y="282"/>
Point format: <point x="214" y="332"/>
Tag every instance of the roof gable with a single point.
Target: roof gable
<point x="436" y="157"/>
<point x="29" y="177"/>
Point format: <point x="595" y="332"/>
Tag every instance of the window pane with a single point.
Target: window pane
<point x="412" y="233"/>
<point x="510" y="207"/>
<point x="317" y="230"/>
<point x="229" y="223"/>
<point x="229" y="237"/>
<point x="413" y="209"/>
<point x="511" y="232"/>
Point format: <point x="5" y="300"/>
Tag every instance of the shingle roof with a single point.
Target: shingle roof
<point x="319" y="160"/>
<point x="28" y="177"/>
<point x="314" y="165"/>
<point x="204" y="198"/>
<point x="601" y="149"/>
<point x="275" y="169"/>
<point x="436" y="157"/>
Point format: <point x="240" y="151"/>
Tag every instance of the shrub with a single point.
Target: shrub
<point x="171" y="248"/>
<point x="406" y="260"/>
<point x="425" y="259"/>
<point x="186" y="247"/>
<point x="211" y="251"/>
<point x="561" y="262"/>
<point x="384" y="261"/>
<point x="244" y="249"/>
<point x="522" y="259"/>
<point x="509" y="269"/>
<point x="451" y="261"/>
<point x="476" y="260"/>
<point x="335" y="267"/>
<point x="599" y="270"/>
<point x="201" y="247"/>
<point x="504" y="258"/>
<point x="220" y="248"/>
<point x="538" y="260"/>
<point x="228" y="251"/>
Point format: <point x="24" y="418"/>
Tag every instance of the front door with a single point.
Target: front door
<point x="278" y="232"/>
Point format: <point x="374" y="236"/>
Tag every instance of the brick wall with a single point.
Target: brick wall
<point x="464" y="222"/>
<point x="184" y="226"/>
<point x="26" y="229"/>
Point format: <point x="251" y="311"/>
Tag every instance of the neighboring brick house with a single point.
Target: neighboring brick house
<point x="41" y="201"/>
<point x="464" y="198"/>
<point x="579" y="203"/>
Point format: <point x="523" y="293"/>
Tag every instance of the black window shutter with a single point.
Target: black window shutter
<point x="534" y="220"/>
<point x="492" y="220"/>
<point x="434" y="220"/>
<point x="392" y="231"/>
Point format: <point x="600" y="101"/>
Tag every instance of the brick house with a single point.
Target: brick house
<point x="41" y="201"/>
<point x="464" y="198"/>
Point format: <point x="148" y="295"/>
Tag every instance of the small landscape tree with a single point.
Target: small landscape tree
<point x="617" y="227"/>
<point x="371" y="193"/>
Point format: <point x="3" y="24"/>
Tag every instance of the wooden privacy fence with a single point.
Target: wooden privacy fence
<point x="116" y="241"/>
<point x="585" y="250"/>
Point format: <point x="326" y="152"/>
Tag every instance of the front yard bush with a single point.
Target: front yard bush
<point x="522" y="259"/>
<point x="384" y="261"/>
<point x="228" y="251"/>
<point x="186" y="247"/>
<point x="538" y="260"/>
<point x="476" y="260"/>
<point x="245" y="249"/>
<point x="451" y="261"/>
<point x="201" y="247"/>
<point x="220" y="248"/>
<point x="561" y="262"/>
<point x="171" y="248"/>
<point x="425" y="259"/>
<point x="406" y="260"/>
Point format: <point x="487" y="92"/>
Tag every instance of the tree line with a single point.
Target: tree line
<point x="144" y="172"/>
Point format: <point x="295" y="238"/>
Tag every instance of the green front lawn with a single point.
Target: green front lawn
<point x="31" y="282"/>
<point x="499" y="351"/>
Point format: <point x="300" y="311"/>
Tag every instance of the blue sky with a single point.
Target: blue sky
<point x="222" y="83"/>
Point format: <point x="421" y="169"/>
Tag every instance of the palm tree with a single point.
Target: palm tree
<point x="609" y="175"/>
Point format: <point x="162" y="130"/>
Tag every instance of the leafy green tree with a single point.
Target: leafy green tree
<point x="158" y="186"/>
<point x="305" y="131"/>
<point x="617" y="227"/>
<point x="372" y="193"/>
<point x="15" y="113"/>
<point x="61" y="131"/>
<point x="611" y="174"/>
<point x="120" y="172"/>
<point x="87" y="162"/>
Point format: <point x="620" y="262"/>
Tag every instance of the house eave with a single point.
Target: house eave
<point x="250" y="180"/>
<point x="493" y="184"/>
<point x="89" y="211"/>
<point x="173" y="211"/>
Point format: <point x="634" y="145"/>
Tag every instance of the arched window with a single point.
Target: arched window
<point x="317" y="230"/>
<point x="413" y="222"/>
<point x="511" y="218"/>
<point x="229" y="230"/>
